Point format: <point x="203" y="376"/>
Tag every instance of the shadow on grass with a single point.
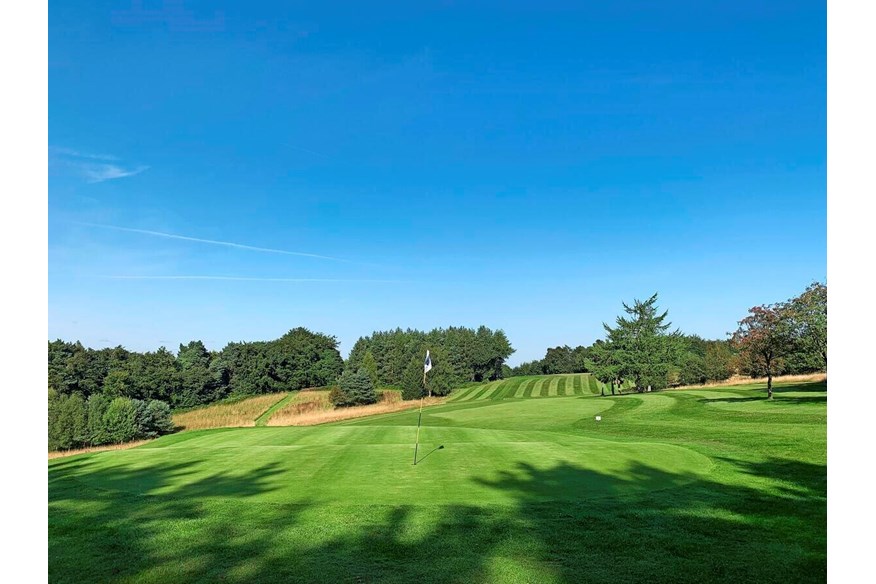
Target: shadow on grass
<point x="436" y="449"/>
<point x="768" y="526"/>
<point x="777" y="399"/>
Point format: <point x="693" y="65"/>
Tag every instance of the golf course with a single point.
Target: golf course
<point x="692" y="485"/>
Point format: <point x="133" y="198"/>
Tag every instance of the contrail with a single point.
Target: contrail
<point x="256" y="279"/>
<point x="215" y="242"/>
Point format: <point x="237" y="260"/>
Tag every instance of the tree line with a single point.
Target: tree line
<point x="785" y="336"/>
<point x="196" y="376"/>
<point x="459" y="355"/>
<point x="84" y="382"/>
<point x="642" y="350"/>
<point x="76" y="422"/>
<point x="115" y="395"/>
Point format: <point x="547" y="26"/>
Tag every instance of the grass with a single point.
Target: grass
<point x="262" y="420"/>
<point x="240" y="413"/>
<point x="75" y="451"/>
<point x="742" y="380"/>
<point x="705" y="485"/>
<point x="313" y="407"/>
<point x="577" y="384"/>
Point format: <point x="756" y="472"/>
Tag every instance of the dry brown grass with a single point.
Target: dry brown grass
<point x="125" y="446"/>
<point x="389" y="396"/>
<point x="234" y="415"/>
<point x="390" y="402"/>
<point x="742" y="380"/>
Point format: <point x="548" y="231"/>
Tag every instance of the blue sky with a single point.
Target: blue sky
<point x="526" y="166"/>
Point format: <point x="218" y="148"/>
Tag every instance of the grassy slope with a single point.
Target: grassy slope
<point x="262" y="420"/>
<point x="580" y="384"/>
<point x="239" y="413"/>
<point x="682" y="486"/>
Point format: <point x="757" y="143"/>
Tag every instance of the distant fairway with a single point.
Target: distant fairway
<point x="679" y="486"/>
<point x="573" y="384"/>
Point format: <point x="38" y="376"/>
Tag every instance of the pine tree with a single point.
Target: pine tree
<point x="639" y="348"/>
<point x="369" y="365"/>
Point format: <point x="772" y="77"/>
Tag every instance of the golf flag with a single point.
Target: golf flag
<point x="427" y="365"/>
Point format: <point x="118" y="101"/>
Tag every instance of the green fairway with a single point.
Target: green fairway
<point x="579" y="384"/>
<point x="678" y="486"/>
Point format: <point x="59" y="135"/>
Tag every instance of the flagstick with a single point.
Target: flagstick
<point x="419" y="419"/>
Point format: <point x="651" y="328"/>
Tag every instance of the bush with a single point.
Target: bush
<point x="120" y="420"/>
<point x="693" y="370"/>
<point x="96" y="408"/>
<point x="338" y="397"/>
<point x="162" y="419"/>
<point x="153" y="418"/>
<point x="354" y="389"/>
<point x="68" y="427"/>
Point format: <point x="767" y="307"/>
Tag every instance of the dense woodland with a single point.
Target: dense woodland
<point x="114" y="395"/>
<point x="459" y="355"/>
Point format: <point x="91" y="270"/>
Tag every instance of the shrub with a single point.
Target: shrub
<point x="68" y="426"/>
<point x="153" y="418"/>
<point x="162" y="419"/>
<point x="338" y="397"/>
<point x="96" y="408"/>
<point x="120" y="420"/>
<point x="353" y="389"/>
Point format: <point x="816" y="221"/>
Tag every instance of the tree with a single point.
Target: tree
<point x="808" y="314"/>
<point x="117" y="383"/>
<point x="719" y="361"/>
<point x="763" y="338"/>
<point x="412" y="379"/>
<point x="604" y="364"/>
<point x="120" y="420"/>
<point x="96" y="408"/>
<point x="153" y="418"/>
<point x="692" y="370"/>
<point x="370" y="367"/>
<point x="639" y="348"/>
<point x="67" y="421"/>
<point x="354" y="389"/>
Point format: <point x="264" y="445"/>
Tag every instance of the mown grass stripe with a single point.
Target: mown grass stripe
<point x="521" y="387"/>
<point x="576" y="385"/>
<point x="266" y="415"/>
<point x="561" y="386"/>
<point x="493" y="389"/>
<point x="509" y="386"/>
<point x="481" y="394"/>
<point x="517" y="387"/>
<point x="466" y="394"/>
<point x="543" y="386"/>
<point x="553" y="385"/>
<point x="498" y="388"/>
<point x="473" y="393"/>
<point x="502" y="391"/>
<point x="529" y="387"/>
<point x="593" y="383"/>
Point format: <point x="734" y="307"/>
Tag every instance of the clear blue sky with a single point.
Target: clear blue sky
<point x="526" y="166"/>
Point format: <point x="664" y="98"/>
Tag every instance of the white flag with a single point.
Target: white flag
<point x="427" y="366"/>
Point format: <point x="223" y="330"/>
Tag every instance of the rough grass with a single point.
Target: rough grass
<point x="743" y="380"/>
<point x="686" y="486"/>
<point x="125" y="446"/>
<point x="227" y="415"/>
<point x="313" y="407"/>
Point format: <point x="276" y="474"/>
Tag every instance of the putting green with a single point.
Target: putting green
<point x="322" y="464"/>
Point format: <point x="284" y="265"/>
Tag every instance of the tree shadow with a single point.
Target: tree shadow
<point x="159" y="523"/>
<point x="777" y="399"/>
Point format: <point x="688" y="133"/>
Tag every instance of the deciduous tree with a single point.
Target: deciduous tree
<point x="763" y="338"/>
